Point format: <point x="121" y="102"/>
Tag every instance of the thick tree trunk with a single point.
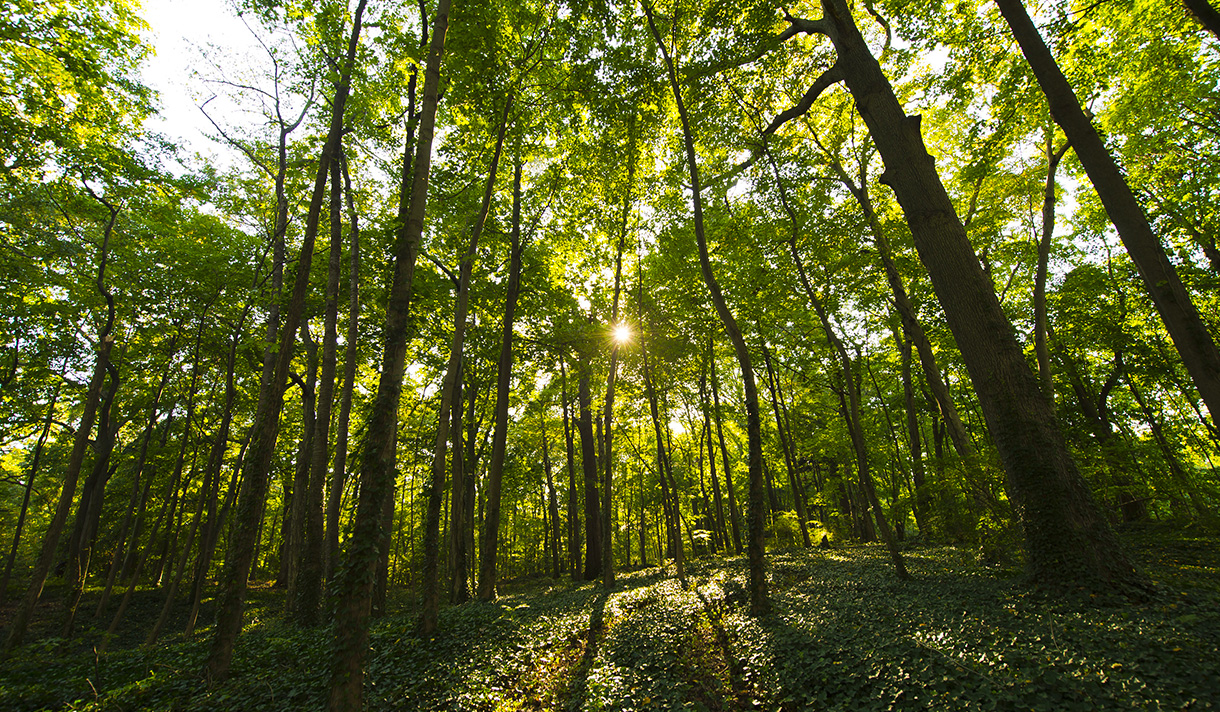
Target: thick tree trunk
<point x="1173" y="302"/>
<point x="1207" y="15"/>
<point x="232" y="597"/>
<point x="756" y="526"/>
<point x="1067" y="540"/>
<point x="355" y="585"/>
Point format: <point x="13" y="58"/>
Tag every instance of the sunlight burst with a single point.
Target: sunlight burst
<point x="622" y="334"/>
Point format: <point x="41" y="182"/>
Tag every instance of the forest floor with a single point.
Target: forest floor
<point x="845" y="634"/>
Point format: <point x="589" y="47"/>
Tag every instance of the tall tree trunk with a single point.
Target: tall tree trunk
<point x="798" y="497"/>
<point x="669" y="504"/>
<point x="488" y="549"/>
<point x="335" y="498"/>
<point x="232" y="598"/>
<point x="292" y="538"/>
<point x="608" y="416"/>
<point x="116" y="563"/>
<point x="588" y="457"/>
<point x="309" y="566"/>
<point x="552" y="500"/>
<point x="734" y="513"/>
<point x="573" y="491"/>
<point x="354" y="586"/>
<point x="1173" y="302"/>
<point x="211" y="528"/>
<point x="431" y="587"/>
<point x="756" y="526"/>
<point x="1067" y="540"/>
<point x="923" y="498"/>
<point x="711" y="462"/>
<point x="1041" y="349"/>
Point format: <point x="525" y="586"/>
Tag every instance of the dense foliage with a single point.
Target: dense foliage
<point x="451" y="315"/>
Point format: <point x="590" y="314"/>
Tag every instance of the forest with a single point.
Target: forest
<point x="581" y="354"/>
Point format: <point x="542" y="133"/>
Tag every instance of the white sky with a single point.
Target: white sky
<point x="178" y="31"/>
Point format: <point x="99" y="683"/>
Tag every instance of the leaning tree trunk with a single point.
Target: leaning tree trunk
<point x="756" y="515"/>
<point x="232" y="597"/>
<point x="1173" y="302"/>
<point x="354" y="585"/>
<point x="1068" y="541"/>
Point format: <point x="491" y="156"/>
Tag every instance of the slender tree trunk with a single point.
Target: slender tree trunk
<point x="1173" y="301"/>
<point x="334" y="501"/>
<point x="232" y="597"/>
<point x="734" y="514"/>
<point x="573" y="492"/>
<point x="588" y="456"/>
<point x="292" y="538"/>
<point x="1044" y="255"/>
<point x="798" y="497"/>
<point x="309" y="566"/>
<point x="552" y="500"/>
<point x="923" y="498"/>
<point x="756" y="526"/>
<point x="488" y="549"/>
<point x="354" y="585"/>
<point x="211" y="528"/>
<point x="711" y="462"/>
<point x="431" y="587"/>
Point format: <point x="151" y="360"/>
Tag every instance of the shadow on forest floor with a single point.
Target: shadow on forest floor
<point x="845" y="634"/>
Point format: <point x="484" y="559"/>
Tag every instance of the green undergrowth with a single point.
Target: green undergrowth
<point x="845" y="634"/>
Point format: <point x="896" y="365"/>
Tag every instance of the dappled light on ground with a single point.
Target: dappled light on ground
<point x="845" y="634"/>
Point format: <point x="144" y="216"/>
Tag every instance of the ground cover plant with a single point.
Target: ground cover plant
<point x="845" y="634"/>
